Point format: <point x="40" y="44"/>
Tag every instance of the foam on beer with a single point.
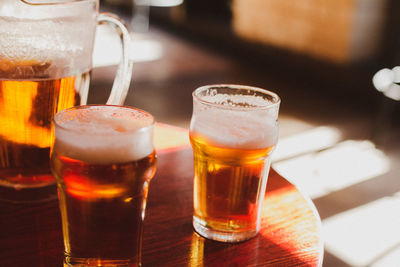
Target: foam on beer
<point x="237" y="121"/>
<point x="104" y="134"/>
<point x="59" y="45"/>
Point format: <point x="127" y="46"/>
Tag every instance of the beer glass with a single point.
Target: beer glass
<point x="233" y="132"/>
<point x="103" y="159"/>
<point x="45" y="62"/>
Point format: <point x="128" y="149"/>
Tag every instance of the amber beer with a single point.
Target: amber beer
<point x="103" y="160"/>
<point x="233" y="132"/>
<point x="227" y="182"/>
<point x="29" y="97"/>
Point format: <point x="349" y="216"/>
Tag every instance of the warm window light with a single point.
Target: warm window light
<point x="318" y="163"/>
<point x="310" y="141"/>
<point x="391" y="258"/>
<point x="367" y="235"/>
<point x="159" y="3"/>
<point x="335" y="168"/>
<point x="168" y="138"/>
<point x="107" y="48"/>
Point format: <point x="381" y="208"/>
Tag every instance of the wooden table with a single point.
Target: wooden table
<point x="290" y="235"/>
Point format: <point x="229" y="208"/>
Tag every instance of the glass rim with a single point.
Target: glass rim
<point x="275" y="103"/>
<point x="60" y="113"/>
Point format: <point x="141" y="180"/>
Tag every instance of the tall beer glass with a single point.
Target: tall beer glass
<point x="103" y="160"/>
<point x="233" y="132"/>
<point x="45" y="62"/>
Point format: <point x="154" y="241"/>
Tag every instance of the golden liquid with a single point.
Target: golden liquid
<point x="27" y="106"/>
<point x="227" y="185"/>
<point x="102" y="208"/>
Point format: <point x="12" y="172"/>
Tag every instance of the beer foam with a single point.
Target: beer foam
<point x="236" y="121"/>
<point x="62" y="45"/>
<point x="104" y="134"/>
<point x="235" y="130"/>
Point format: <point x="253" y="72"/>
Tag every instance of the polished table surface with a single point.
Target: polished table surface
<point x="290" y="235"/>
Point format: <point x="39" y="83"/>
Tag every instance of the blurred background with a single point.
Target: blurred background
<point x="333" y="64"/>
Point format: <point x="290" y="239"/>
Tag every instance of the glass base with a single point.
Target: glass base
<point x="83" y="262"/>
<point x="18" y="195"/>
<point x="221" y="235"/>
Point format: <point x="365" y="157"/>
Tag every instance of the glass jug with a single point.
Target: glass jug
<point x="46" y="51"/>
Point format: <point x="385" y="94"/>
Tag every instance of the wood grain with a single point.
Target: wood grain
<point x="30" y="234"/>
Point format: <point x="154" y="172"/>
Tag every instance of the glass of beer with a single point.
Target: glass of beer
<point x="103" y="159"/>
<point x="45" y="63"/>
<point x="233" y="132"/>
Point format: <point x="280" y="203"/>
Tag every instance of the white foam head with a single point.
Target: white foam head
<point x="104" y="134"/>
<point x="59" y="36"/>
<point x="246" y="121"/>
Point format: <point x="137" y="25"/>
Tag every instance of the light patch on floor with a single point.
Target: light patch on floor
<point x="391" y="258"/>
<point x="321" y="172"/>
<point x="368" y="235"/>
<point x="319" y="162"/>
<point x="312" y="140"/>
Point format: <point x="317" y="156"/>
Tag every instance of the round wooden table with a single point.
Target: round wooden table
<point x="290" y="235"/>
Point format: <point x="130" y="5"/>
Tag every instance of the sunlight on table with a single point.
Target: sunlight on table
<point x="168" y="138"/>
<point x="347" y="163"/>
<point x="367" y="235"/>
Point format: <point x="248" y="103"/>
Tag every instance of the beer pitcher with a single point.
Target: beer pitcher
<point x="46" y="51"/>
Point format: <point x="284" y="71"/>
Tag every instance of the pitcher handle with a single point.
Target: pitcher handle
<point x="124" y="72"/>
